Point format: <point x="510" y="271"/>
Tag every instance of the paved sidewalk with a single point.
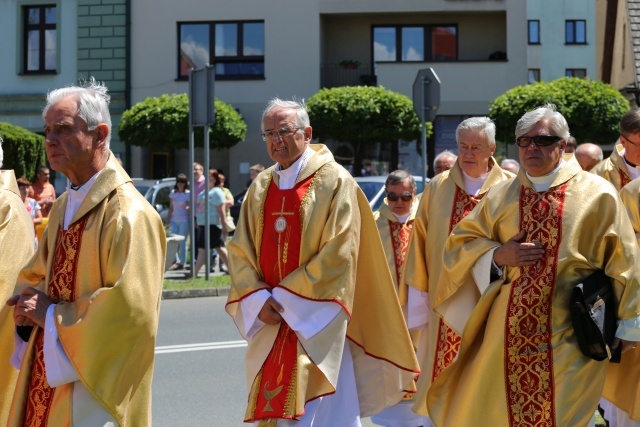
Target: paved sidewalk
<point x="192" y="293"/>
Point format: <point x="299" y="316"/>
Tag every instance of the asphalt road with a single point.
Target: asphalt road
<point x="199" y="368"/>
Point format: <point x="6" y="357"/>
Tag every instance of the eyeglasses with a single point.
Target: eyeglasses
<point x="283" y="132"/>
<point x="539" y="140"/>
<point x="393" y="197"/>
<point x="637" y="144"/>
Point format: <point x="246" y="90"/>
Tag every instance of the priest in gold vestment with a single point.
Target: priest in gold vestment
<point x="448" y="198"/>
<point x="395" y="220"/>
<point x="519" y="363"/>
<point x="16" y="248"/>
<point x="623" y="165"/>
<point x="86" y="306"/>
<point x="622" y="386"/>
<point x="311" y="292"/>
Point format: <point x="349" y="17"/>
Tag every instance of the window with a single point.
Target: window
<point x="534" y="75"/>
<point x="581" y="73"/>
<point x="415" y="43"/>
<point x="534" y="32"/>
<point x="39" y="39"/>
<point x="236" y="48"/>
<point x="575" y="32"/>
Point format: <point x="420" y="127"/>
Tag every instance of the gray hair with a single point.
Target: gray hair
<point x="93" y="103"/>
<point x="399" y="176"/>
<point x="445" y="153"/>
<point x="1" y="152"/>
<point x="302" y="117"/>
<point x="482" y="125"/>
<point x="557" y="122"/>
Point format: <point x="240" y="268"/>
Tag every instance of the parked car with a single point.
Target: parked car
<point x="143" y="185"/>
<point x="373" y="188"/>
<point x="158" y="196"/>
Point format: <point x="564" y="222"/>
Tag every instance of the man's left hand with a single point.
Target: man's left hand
<point x="30" y="307"/>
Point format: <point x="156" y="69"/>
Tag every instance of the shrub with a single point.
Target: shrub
<point x="23" y="150"/>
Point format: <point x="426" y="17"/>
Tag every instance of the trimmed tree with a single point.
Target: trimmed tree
<point x="164" y="122"/>
<point x="593" y="109"/>
<point x="363" y="115"/>
<point x="23" y="150"/>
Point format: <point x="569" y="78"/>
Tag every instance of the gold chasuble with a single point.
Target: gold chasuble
<point x="105" y="272"/>
<point x="16" y="249"/>
<point x="444" y="203"/>
<point x="519" y="363"/>
<point x="319" y="242"/>
<point x="614" y="169"/>
<point x="622" y="386"/>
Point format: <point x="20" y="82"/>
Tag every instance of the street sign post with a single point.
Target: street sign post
<point x="201" y="113"/>
<point x="426" y="100"/>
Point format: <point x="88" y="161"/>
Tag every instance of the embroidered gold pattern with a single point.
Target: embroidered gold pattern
<point x="448" y="341"/>
<point x="61" y="288"/>
<point x="400" y="234"/>
<point x="528" y="352"/>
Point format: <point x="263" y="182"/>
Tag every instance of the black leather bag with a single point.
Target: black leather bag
<point x="593" y="315"/>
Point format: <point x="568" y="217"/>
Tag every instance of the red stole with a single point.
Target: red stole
<point x="624" y="178"/>
<point x="400" y="234"/>
<point x="448" y="341"/>
<point x="528" y="353"/>
<point x="61" y="288"/>
<point x="279" y="256"/>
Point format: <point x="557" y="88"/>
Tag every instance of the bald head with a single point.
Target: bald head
<point x="588" y="155"/>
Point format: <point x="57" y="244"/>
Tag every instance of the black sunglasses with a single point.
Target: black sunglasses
<point x="539" y="140"/>
<point x="393" y="197"/>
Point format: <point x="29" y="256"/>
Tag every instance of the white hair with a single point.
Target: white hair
<point x="445" y="153"/>
<point x="548" y="113"/>
<point x="93" y="104"/>
<point x="1" y="152"/>
<point x="302" y="117"/>
<point x="482" y="125"/>
<point x="509" y="162"/>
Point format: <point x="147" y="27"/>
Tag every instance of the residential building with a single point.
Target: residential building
<point x="47" y="44"/>
<point x="292" y="48"/>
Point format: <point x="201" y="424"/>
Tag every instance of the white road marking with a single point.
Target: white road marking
<point x="200" y="347"/>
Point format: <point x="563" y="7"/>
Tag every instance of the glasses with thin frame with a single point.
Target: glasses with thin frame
<point x="539" y="140"/>
<point x="283" y="132"/>
<point x="637" y="144"/>
<point x="393" y="197"/>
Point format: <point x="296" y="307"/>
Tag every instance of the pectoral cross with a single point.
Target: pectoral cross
<point x="281" y="226"/>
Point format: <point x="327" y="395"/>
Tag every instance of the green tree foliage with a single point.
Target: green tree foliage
<point x="164" y="122"/>
<point x="23" y="150"/>
<point x="593" y="109"/>
<point x="364" y="115"/>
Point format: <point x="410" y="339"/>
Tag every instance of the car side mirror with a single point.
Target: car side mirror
<point x="158" y="207"/>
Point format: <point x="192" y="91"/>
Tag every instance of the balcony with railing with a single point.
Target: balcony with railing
<point x="347" y="74"/>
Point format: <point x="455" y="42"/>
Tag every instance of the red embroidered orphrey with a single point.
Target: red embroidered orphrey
<point x="400" y="234"/>
<point x="61" y="288"/>
<point x="624" y="178"/>
<point x="277" y="379"/>
<point x="528" y="367"/>
<point x="448" y="341"/>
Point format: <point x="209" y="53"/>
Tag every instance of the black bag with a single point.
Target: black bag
<point x="594" y="318"/>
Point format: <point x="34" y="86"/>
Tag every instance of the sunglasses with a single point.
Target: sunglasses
<point x="539" y="140"/>
<point x="393" y="197"/>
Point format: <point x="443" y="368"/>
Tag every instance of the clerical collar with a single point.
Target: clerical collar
<point x="542" y="183"/>
<point x="289" y="176"/>
<point x="75" y="197"/>
<point x="474" y="185"/>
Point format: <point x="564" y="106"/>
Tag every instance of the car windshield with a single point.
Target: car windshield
<point x="370" y="189"/>
<point x="142" y="189"/>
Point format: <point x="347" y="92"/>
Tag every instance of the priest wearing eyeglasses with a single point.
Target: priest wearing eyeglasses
<point x="511" y="266"/>
<point x="448" y="198"/>
<point x="623" y="165"/>
<point x="311" y="291"/>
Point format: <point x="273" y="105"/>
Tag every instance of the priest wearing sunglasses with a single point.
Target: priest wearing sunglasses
<point x="623" y="165"/>
<point x="394" y="220"/>
<point x="511" y="266"/>
<point x="448" y="198"/>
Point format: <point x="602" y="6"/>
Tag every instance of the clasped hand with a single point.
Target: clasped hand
<point x="30" y="307"/>
<point x="515" y="252"/>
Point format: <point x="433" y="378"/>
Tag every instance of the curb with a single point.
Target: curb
<point x="195" y="293"/>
